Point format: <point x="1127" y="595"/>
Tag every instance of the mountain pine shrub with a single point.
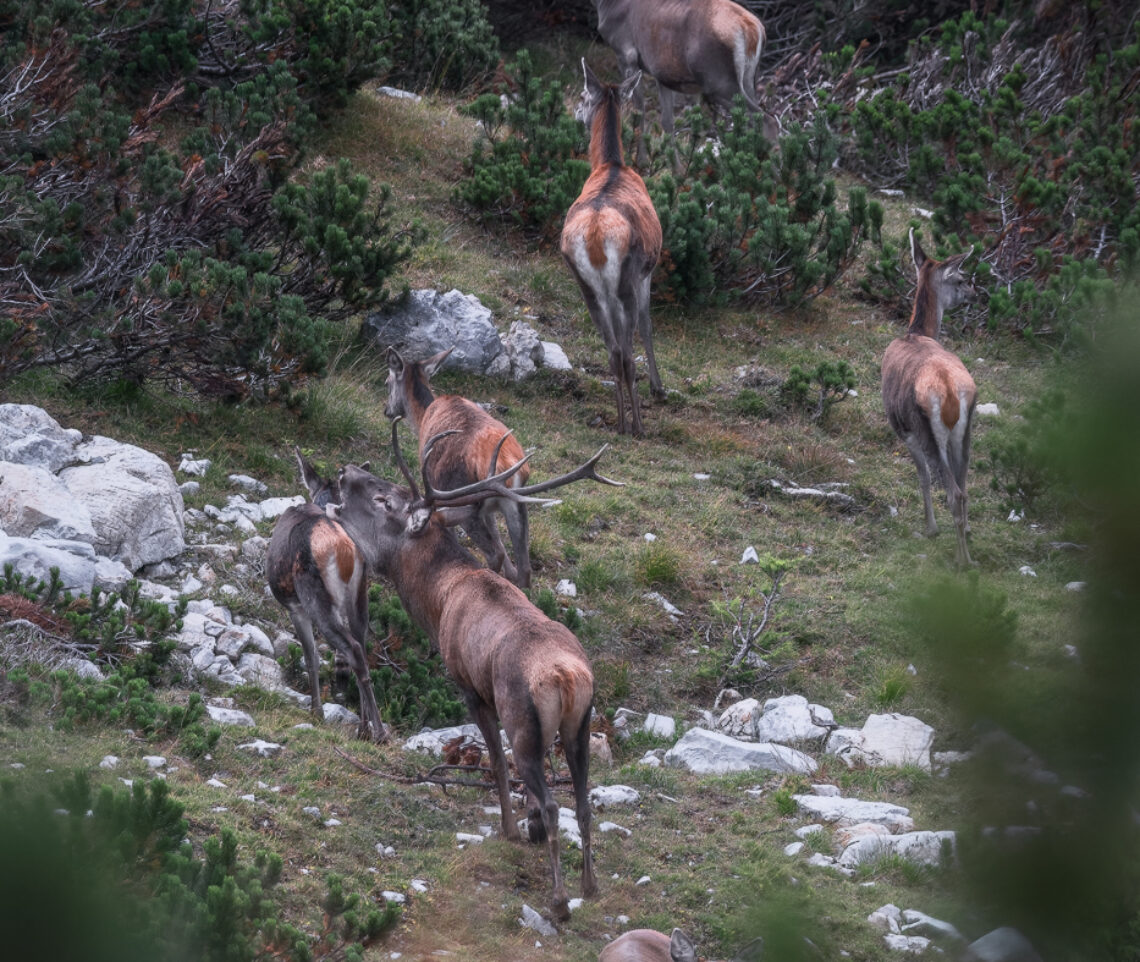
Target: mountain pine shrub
<point x="528" y="170"/>
<point x="1045" y="188"/>
<point x="442" y="43"/>
<point x="756" y="223"/>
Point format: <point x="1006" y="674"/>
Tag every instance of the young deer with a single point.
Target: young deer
<point x="612" y="241"/>
<point x="317" y="572"/>
<point x="710" y="47"/>
<point x="929" y="395"/>
<point x="464" y="457"/>
<point x="508" y="659"/>
<point x="648" y="945"/>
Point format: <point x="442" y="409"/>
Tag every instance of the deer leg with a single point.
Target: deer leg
<point x="645" y="329"/>
<point x="484" y="531"/>
<point x="576" y="744"/>
<point x="529" y="761"/>
<point x="914" y="446"/>
<point x="617" y="370"/>
<point x="628" y="375"/>
<point x="304" y="628"/>
<point x="488" y="723"/>
<point x="666" y="98"/>
<point x="371" y="727"/>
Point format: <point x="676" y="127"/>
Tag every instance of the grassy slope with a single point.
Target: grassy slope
<point x="712" y="847"/>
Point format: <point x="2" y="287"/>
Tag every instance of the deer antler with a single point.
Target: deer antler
<point x="585" y="470"/>
<point x="400" y="462"/>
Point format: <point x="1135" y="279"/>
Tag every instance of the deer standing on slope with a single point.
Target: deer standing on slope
<point x="710" y="47"/>
<point x="509" y="660"/>
<point x="464" y="457"/>
<point x="612" y="241"/>
<point x="317" y="572"/>
<point x="928" y="394"/>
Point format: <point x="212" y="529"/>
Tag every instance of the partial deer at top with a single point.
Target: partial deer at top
<point x="612" y="241"/>
<point x="929" y="395"/>
<point x="710" y="47"/>
<point x="512" y="663"/>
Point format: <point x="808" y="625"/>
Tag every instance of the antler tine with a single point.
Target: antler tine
<point x="400" y="462"/>
<point x="495" y="453"/>
<point x="469" y="493"/>
<point x="585" y="470"/>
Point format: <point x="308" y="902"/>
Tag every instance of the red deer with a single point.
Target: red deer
<point x="612" y="241"/>
<point x="509" y="660"/>
<point x="463" y="458"/>
<point x="928" y="394"/>
<point x="648" y="945"/>
<point x="710" y="47"/>
<point x="317" y="572"/>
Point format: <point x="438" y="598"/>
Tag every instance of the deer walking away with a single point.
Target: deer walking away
<point x="463" y="457"/>
<point x="612" y="241"/>
<point x="513" y="665"/>
<point x="710" y="47"/>
<point x="928" y="394"/>
<point x="318" y="574"/>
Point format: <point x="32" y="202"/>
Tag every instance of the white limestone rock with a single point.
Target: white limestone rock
<point x="885" y="740"/>
<point x="705" y="752"/>
<point x="851" y="811"/>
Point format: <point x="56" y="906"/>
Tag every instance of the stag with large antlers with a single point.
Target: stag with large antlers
<point x="512" y="663"/>
<point x="928" y="394"/>
<point x="317" y="572"/>
<point x="464" y="457"/>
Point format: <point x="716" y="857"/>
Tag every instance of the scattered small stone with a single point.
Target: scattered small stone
<point x="805" y="830"/>
<point x="385" y="851"/>
<point x="794" y="848"/>
<point x="886" y="917"/>
<point x="398" y="94"/>
<point x="154" y="761"/>
<point x="332" y="822"/>
<point x="248" y="798"/>
<point x="216" y="783"/>
<point x="1027" y="571"/>
<point x="566" y="588"/>
<point x="671" y="610"/>
<point x="603" y="796"/>
<point x="989" y="410"/>
<point x="109" y="761"/>
<point x="644" y="880"/>
<point x="1075" y="586"/>
<point x="466" y="838"/>
<point x="750" y="556"/>
<point x="614" y="827"/>
<point x="701" y="477"/>
<point x="397" y="897"/>
<point x="312" y="810"/>
<point x="418" y="885"/>
<point x="263" y="748"/>
<point x="663" y="726"/>
<point x="650" y="536"/>
<point x="532" y="920"/>
<point x="910" y="944"/>
<point x="1015" y="515"/>
<point x="826" y="791"/>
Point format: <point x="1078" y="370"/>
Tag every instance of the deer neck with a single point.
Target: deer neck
<point x="424" y="573"/>
<point x="605" y="134"/>
<point x="926" y="318"/>
<point x="419" y="399"/>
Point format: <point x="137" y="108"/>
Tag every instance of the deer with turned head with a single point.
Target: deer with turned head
<point x="612" y="241"/>
<point x="513" y="664"/>
<point x="929" y="395"/>
<point x="462" y="456"/>
<point x="649" y="945"/>
<point x="317" y="572"/>
<point x="710" y="47"/>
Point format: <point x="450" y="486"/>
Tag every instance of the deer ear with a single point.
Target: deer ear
<point x="433" y="363"/>
<point x="629" y="85"/>
<point x="593" y="85"/>
<point x="680" y="948"/>
<point x="395" y="362"/>
<point x="333" y="511"/>
<point x="309" y="476"/>
<point x="916" y="251"/>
